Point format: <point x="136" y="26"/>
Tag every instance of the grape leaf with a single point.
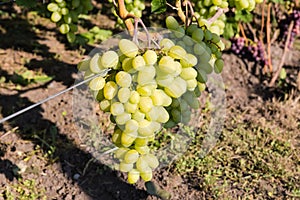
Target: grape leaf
<point x="26" y="3"/>
<point x="243" y="16"/>
<point x="158" y="6"/>
<point x="228" y="31"/>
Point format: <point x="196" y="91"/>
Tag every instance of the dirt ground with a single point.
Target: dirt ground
<point x="43" y="145"/>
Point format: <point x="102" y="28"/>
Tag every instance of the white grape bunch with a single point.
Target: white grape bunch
<point x="148" y="89"/>
<point x="65" y="14"/>
<point x="206" y="9"/>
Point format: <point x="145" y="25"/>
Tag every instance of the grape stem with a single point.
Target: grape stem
<point x="189" y="6"/>
<point x="268" y="37"/>
<point x="217" y="15"/>
<point x="148" y="37"/>
<point x="286" y="49"/>
<point x="179" y="10"/>
<point x="125" y="16"/>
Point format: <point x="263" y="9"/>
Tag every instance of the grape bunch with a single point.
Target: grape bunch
<point x="248" y="5"/>
<point x="65" y="14"/>
<point x="134" y="7"/>
<point x="208" y="8"/>
<point x="148" y="89"/>
<point x="253" y="51"/>
<point x="294" y="16"/>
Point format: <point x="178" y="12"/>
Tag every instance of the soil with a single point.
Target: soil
<point x="44" y="144"/>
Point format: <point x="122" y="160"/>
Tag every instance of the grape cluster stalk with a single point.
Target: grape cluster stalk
<point x="149" y="89"/>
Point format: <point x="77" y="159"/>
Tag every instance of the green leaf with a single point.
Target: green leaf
<point x="228" y="31"/>
<point x="244" y="16"/>
<point x="26" y="3"/>
<point x="158" y="6"/>
<point x="42" y="78"/>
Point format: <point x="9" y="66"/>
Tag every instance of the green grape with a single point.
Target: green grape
<point x="191" y="99"/>
<point x="71" y="37"/>
<point x="198" y="34"/>
<point x="138" y="63"/>
<point x="150" y="57"/>
<point x="146" y="174"/>
<point x="109" y="59"/>
<point x="189" y="61"/>
<point x="191" y="84"/>
<point x="138" y="116"/>
<point x="134" y="97"/>
<point x="179" y="33"/>
<point x="105" y="105"/>
<point x="120" y="152"/>
<point x="202" y="76"/>
<point x="145" y="128"/>
<point x="199" y="49"/>
<point x="116" y="108"/>
<point x="177" y="52"/>
<point x="133" y="176"/>
<point x="116" y="139"/>
<point x="160" y="98"/>
<point x="95" y="66"/>
<point x="84" y="65"/>
<point x="127" y="65"/>
<point x="110" y="90"/>
<point x="52" y="7"/>
<point x="141" y="141"/>
<point x="151" y="160"/>
<point x="166" y="44"/>
<point x="146" y="75"/>
<point x="121" y="119"/>
<point x="127" y="139"/>
<point x="55" y="16"/>
<point x="64" y="11"/>
<point x="128" y="48"/>
<point x="191" y="28"/>
<point x="97" y="83"/>
<point x="219" y="64"/>
<point x="123" y="94"/>
<point x="172" y="23"/>
<point x="188" y="73"/>
<point x="142" y="164"/>
<point x="130" y="107"/>
<point x="146" y="90"/>
<point x="176" y="115"/>
<point x="217" y="2"/>
<point x="64" y="28"/>
<point x="166" y="64"/>
<point x="188" y="41"/>
<point x="68" y="20"/>
<point x="123" y="79"/>
<point x="145" y="104"/>
<point x="125" y="167"/>
<point x="131" y="126"/>
<point x="141" y="149"/>
<point x="131" y="156"/>
<point x="177" y="88"/>
<point x="162" y="114"/>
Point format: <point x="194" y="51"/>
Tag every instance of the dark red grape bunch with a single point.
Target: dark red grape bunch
<point x="237" y="45"/>
<point x="294" y="16"/>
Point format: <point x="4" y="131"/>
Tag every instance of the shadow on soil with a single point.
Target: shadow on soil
<point x="17" y="34"/>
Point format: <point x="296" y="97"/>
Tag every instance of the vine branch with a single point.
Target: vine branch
<point x="286" y="49"/>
